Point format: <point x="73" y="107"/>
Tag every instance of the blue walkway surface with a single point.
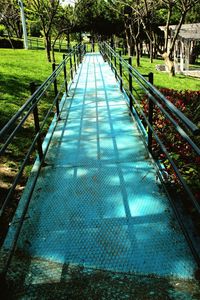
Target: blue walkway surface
<point x="98" y="202"/>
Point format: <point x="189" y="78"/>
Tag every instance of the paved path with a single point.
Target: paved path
<point x="98" y="203"/>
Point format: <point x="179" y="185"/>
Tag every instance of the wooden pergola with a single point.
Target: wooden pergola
<point x="188" y="38"/>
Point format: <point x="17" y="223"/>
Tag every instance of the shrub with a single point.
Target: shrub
<point x="183" y="155"/>
<point x="5" y="43"/>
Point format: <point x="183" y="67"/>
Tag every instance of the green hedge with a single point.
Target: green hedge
<point x="5" y="43"/>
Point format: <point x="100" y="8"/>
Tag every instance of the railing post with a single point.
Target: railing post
<point x="80" y="57"/>
<point x="56" y="91"/>
<point x="150" y="77"/>
<point x="65" y="75"/>
<point x="130" y="83"/>
<point x="111" y="57"/>
<point x="37" y="124"/>
<point x="71" y="68"/>
<point x="120" y="70"/>
<point x="106" y="52"/>
<point x="150" y="116"/>
<point x="115" y="63"/>
<point x="74" y="53"/>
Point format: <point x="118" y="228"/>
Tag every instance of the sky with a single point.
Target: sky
<point x="68" y="1"/>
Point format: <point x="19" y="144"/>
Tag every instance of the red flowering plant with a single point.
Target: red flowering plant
<point x="185" y="158"/>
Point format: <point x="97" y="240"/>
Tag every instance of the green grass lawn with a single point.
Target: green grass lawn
<point x="163" y="80"/>
<point x="18" y="68"/>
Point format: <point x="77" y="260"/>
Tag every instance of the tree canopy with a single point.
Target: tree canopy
<point x="148" y="15"/>
<point x="94" y="16"/>
<point x="10" y="17"/>
<point x="136" y="20"/>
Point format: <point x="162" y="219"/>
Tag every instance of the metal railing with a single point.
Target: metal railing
<point x="36" y="43"/>
<point x="136" y="88"/>
<point x="57" y="83"/>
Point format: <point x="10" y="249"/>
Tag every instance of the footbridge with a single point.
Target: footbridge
<point x="98" y="203"/>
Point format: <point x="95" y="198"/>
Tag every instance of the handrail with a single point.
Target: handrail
<point x="39" y="92"/>
<point x="156" y="97"/>
<point x="123" y="69"/>
<point x="9" y="131"/>
<point x="190" y="125"/>
<point x="68" y="66"/>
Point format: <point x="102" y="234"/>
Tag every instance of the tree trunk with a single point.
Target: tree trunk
<point x="112" y="43"/>
<point x="137" y="52"/>
<point x="169" y="64"/>
<point x="9" y="38"/>
<point x="151" y="51"/>
<point x="60" y="45"/>
<point x="53" y="46"/>
<point x="141" y="49"/>
<point x="53" y="54"/>
<point x="48" y="47"/>
<point x="129" y="42"/>
<point x="130" y="49"/>
<point x="80" y="37"/>
<point x="124" y="46"/>
<point x="68" y="40"/>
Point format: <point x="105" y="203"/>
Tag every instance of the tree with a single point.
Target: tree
<point x="183" y="6"/>
<point x="194" y="15"/>
<point x="93" y="16"/>
<point x="62" y="26"/>
<point x="10" y="18"/>
<point x="46" y="11"/>
<point x="132" y="27"/>
<point x="146" y="11"/>
<point x="147" y="19"/>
